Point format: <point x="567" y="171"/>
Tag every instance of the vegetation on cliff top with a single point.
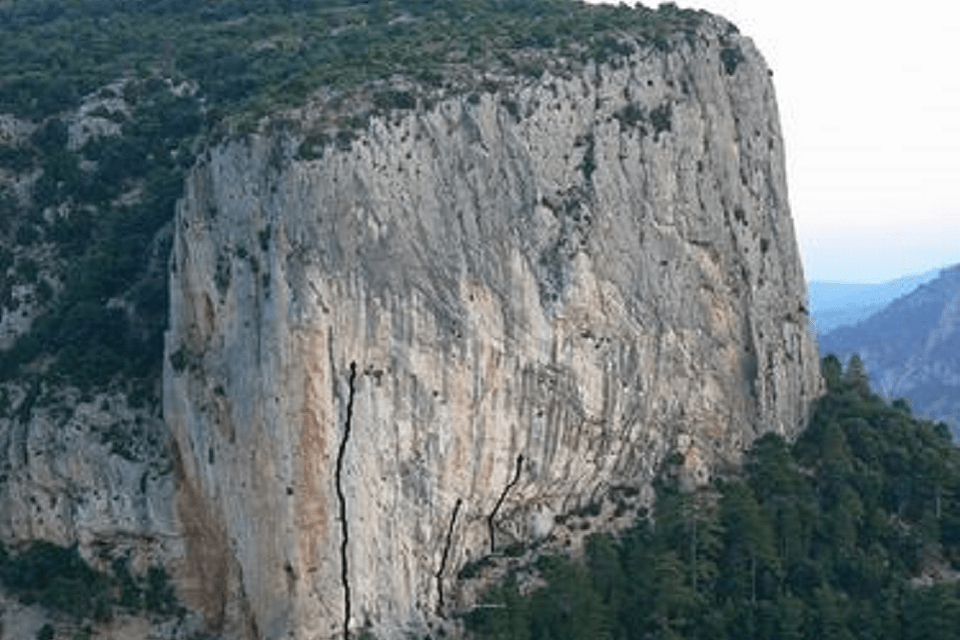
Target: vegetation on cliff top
<point x="156" y="79"/>
<point x="853" y="531"/>
<point x="264" y="55"/>
<point x="269" y="53"/>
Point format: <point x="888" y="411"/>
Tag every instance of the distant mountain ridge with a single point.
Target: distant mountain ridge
<point x="911" y="348"/>
<point x="836" y="304"/>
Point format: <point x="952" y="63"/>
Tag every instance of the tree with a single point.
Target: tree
<point x="856" y="376"/>
<point x="749" y="548"/>
<point x="832" y="371"/>
<point x="785" y="495"/>
<point x="675" y="602"/>
<point x="829" y="616"/>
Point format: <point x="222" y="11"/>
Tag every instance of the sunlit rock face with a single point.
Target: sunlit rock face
<point x="426" y="344"/>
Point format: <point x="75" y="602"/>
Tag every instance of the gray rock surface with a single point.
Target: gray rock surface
<point x="89" y="470"/>
<point x="427" y="342"/>
<point x="86" y="470"/>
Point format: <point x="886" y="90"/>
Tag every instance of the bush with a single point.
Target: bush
<point x="394" y="99"/>
<point x="159" y="596"/>
<point x="58" y="578"/>
<point x="731" y="57"/>
<point x="16" y="158"/>
<point x="661" y="118"/>
<point x="51" y="137"/>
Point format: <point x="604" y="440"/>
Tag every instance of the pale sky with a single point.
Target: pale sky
<point x="869" y="97"/>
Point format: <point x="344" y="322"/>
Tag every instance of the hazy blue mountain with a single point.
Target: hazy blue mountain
<point x="836" y="304"/>
<point x="911" y="347"/>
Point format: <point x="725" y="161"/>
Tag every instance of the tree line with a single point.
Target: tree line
<point x="852" y="531"/>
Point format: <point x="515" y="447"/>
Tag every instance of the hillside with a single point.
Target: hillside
<point x="909" y="348"/>
<point x="310" y="307"/>
<point x="107" y="104"/>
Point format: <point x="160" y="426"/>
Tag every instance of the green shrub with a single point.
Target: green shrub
<point x="6" y="260"/>
<point x="394" y="99"/>
<point x="630" y="116"/>
<point x="159" y="595"/>
<point x="662" y="118"/>
<point x="51" y="137"/>
<point x="472" y="569"/>
<point x="57" y="578"/>
<point x="731" y="57"/>
<point x="17" y="158"/>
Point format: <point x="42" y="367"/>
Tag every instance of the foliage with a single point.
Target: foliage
<point x="661" y="118"/>
<point x="731" y="57"/>
<point x="159" y="596"/>
<point x="59" y="579"/>
<point x="822" y="538"/>
<point x="93" y="339"/>
<point x="248" y="54"/>
<point x="56" y="577"/>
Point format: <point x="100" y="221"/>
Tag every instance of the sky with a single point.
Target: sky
<point x="869" y="99"/>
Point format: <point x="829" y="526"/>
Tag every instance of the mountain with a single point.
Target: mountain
<point x="836" y="304"/>
<point x="909" y="348"/>
<point x="310" y="309"/>
<point x="425" y="344"/>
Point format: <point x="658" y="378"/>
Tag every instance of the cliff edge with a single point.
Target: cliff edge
<point x="433" y="339"/>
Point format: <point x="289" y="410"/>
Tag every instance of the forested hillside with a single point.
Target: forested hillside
<point x="263" y="55"/>
<point x="105" y="104"/>
<point x="853" y="531"/>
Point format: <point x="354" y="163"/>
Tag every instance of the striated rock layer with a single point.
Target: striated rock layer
<point x="425" y="345"/>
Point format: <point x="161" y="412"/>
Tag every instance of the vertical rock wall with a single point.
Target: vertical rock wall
<point x="385" y="362"/>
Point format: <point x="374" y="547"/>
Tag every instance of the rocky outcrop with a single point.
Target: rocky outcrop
<point x="91" y="471"/>
<point x="430" y="341"/>
<point x="88" y="470"/>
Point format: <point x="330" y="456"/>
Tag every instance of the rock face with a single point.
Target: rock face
<point x="909" y="348"/>
<point x="90" y="471"/>
<point x="426" y="344"/>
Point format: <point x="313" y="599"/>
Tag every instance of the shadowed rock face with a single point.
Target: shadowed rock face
<point x="385" y="362"/>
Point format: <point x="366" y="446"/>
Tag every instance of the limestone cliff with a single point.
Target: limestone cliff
<point x="429" y="341"/>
